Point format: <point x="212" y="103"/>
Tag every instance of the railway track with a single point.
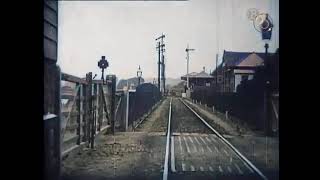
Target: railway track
<point x="194" y="149"/>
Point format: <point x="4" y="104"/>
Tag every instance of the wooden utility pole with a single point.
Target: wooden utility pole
<point x="217" y="71"/>
<point x="162" y="50"/>
<point x="159" y="64"/>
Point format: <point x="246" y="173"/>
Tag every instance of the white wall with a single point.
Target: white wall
<point x="237" y="79"/>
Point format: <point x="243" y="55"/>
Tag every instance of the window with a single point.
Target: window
<point x="244" y="77"/>
<point x="219" y="79"/>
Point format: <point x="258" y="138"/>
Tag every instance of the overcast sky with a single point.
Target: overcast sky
<point x="125" y="33"/>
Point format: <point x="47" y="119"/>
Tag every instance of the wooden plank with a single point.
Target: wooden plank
<point x="94" y="101"/>
<point x="85" y="115"/>
<point x="67" y="96"/>
<point x="113" y="97"/>
<point x="90" y="105"/>
<point x="79" y="114"/>
<point x="104" y="104"/>
<point x="50" y="15"/>
<point x="52" y="4"/>
<point x="50" y="31"/>
<point x="50" y="49"/>
<point x="97" y="81"/>
<point x="100" y="107"/>
<point x="71" y="78"/>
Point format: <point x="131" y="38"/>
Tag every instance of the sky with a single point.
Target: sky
<point x="125" y="33"/>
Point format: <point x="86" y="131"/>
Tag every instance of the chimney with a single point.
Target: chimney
<point x="204" y="69"/>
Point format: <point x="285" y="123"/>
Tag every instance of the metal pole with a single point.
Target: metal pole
<point x="188" y="68"/>
<point x="267" y="101"/>
<point x="102" y="74"/>
<point x="187" y="50"/>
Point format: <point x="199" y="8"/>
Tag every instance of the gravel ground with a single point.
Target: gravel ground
<point x="140" y="154"/>
<point x="184" y="121"/>
<point x="262" y="151"/>
<point x="218" y="121"/>
<point x="158" y="120"/>
<point x="126" y="155"/>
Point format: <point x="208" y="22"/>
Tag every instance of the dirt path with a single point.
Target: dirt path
<point x="226" y="126"/>
<point x="158" y="119"/>
<point x="126" y="155"/>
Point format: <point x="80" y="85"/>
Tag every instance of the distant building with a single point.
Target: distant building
<point x="132" y="83"/>
<point x="198" y="79"/>
<point x="235" y="67"/>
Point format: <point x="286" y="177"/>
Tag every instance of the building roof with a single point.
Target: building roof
<point x="231" y="58"/>
<point x="202" y="74"/>
<point x="244" y="59"/>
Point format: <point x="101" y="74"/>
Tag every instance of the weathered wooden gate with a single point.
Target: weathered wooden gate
<point x="87" y="109"/>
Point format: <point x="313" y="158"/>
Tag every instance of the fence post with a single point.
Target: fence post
<point x="89" y="109"/>
<point x="79" y="113"/>
<point x="84" y="117"/>
<point x="95" y="101"/>
<point x="113" y="96"/>
<point x="100" y="106"/>
<point x="127" y="109"/>
<point x="91" y="127"/>
<point x="212" y="108"/>
<point x="227" y="115"/>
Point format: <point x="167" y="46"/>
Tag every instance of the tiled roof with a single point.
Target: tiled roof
<point x="234" y="58"/>
<point x="202" y="74"/>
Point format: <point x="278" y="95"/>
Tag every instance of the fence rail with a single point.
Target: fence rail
<point x="247" y="107"/>
<point x="86" y="110"/>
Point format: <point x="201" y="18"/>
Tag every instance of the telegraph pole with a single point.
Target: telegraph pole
<point x="216" y="71"/>
<point x="187" y="50"/>
<point x="159" y="63"/>
<point x="162" y="50"/>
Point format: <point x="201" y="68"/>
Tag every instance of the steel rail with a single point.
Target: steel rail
<point x="242" y="157"/>
<point x="166" y="160"/>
